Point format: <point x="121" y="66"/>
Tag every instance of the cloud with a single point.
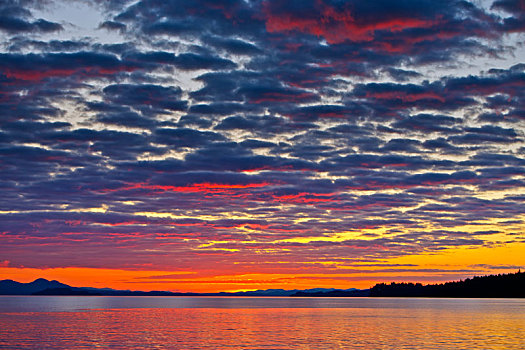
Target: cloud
<point x="515" y="23"/>
<point x="17" y="19"/>
<point x="353" y="21"/>
<point x="145" y="96"/>
<point x="112" y="25"/>
<point x="288" y="136"/>
<point x="35" y="67"/>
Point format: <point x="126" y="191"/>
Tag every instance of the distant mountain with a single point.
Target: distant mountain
<point x="10" y="287"/>
<point x="65" y="291"/>
<point x="334" y="293"/>
<point x="44" y="287"/>
<point x="280" y="292"/>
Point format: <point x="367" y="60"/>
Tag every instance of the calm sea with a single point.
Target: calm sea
<point x="47" y="322"/>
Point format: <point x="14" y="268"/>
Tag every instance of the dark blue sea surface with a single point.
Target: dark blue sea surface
<point x="48" y="322"/>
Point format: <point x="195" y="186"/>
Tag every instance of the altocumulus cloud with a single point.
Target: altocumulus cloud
<point x="186" y="134"/>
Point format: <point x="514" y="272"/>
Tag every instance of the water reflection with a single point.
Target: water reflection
<point x="340" y="324"/>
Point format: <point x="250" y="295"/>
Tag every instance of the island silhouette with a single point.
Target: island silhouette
<point x="510" y="285"/>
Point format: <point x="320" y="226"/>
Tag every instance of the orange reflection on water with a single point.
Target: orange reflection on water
<point x="455" y="325"/>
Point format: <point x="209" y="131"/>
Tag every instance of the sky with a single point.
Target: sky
<point x="234" y="145"/>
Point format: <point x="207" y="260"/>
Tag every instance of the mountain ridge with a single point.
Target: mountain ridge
<point x="42" y="286"/>
<point x="19" y="288"/>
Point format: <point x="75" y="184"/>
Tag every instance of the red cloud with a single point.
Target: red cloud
<point x="336" y="26"/>
<point x="405" y="97"/>
<point x="204" y="187"/>
<point x="37" y="75"/>
<point x="284" y="168"/>
<point x="282" y="97"/>
<point x="305" y="198"/>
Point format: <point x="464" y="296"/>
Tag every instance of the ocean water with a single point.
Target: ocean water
<point x="48" y="322"/>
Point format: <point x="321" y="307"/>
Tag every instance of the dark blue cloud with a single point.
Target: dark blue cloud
<point x="112" y="25"/>
<point x="515" y="23"/>
<point x="146" y="97"/>
<point x="233" y="46"/>
<point x="184" y="137"/>
<point x="191" y="61"/>
<point x="15" y="18"/>
<point x="429" y="122"/>
<point x="40" y="66"/>
<point x="401" y="74"/>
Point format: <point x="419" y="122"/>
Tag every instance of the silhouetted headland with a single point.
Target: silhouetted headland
<point x="493" y="286"/>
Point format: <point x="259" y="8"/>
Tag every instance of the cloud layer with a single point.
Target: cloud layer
<point x="283" y="137"/>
